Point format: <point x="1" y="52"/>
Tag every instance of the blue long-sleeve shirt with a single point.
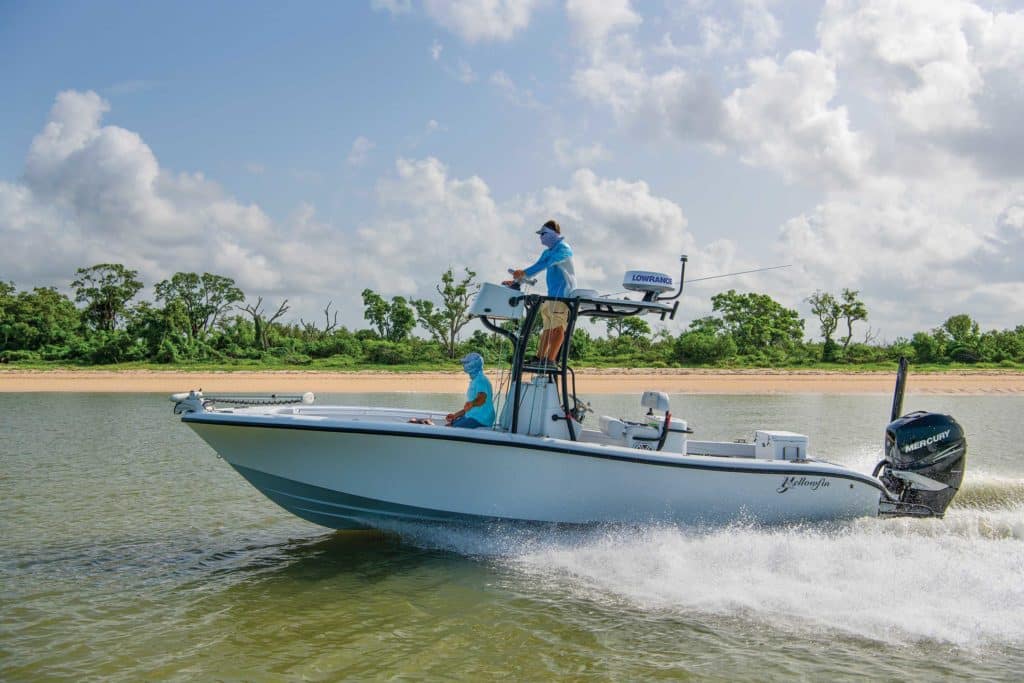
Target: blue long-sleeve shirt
<point x="483" y="414"/>
<point x="561" y="273"/>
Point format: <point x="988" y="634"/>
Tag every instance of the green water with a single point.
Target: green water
<point x="131" y="552"/>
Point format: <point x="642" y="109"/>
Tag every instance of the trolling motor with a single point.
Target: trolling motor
<point x="925" y="454"/>
<point x="196" y="402"/>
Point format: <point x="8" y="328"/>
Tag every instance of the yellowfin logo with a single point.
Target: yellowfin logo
<point x="803" y="482"/>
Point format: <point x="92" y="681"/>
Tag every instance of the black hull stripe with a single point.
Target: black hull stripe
<point x="802" y="471"/>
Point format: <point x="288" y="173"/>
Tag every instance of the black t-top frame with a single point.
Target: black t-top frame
<point x="587" y="307"/>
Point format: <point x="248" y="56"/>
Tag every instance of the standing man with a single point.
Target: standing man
<point x="561" y="278"/>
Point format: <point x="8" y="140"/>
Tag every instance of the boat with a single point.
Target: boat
<point x="548" y="460"/>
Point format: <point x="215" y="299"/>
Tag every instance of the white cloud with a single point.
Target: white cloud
<point x="928" y="60"/>
<point x="93" y="193"/>
<point x="784" y="116"/>
<point x="522" y="97"/>
<point x="947" y="73"/>
<point x="255" y="168"/>
<point x="502" y="81"/>
<point x="950" y="239"/>
<point x="916" y="54"/>
<point x="918" y="249"/>
<point x="435" y="50"/>
<point x="919" y="200"/>
<point x="593" y="22"/>
<point x="760" y="27"/>
<point x="673" y="103"/>
<point x="481" y="20"/>
<point x="361" y="147"/>
<point x="430" y="220"/>
<point x="668" y="48"/>
<point x="784" y="120"/>
<point x="717" y="36"/>
<point x="576" y="156"/>
<point x="727" y="28"/>
<point x="613" y="225"/>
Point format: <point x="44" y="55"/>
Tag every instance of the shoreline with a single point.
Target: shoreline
<point x="592" y="381"/>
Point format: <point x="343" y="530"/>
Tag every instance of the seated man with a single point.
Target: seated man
<point x="479" y="408"/>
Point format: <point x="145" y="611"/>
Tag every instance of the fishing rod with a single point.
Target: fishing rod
<point x="742" y="272"/>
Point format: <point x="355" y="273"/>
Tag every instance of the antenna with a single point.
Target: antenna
<point x="682" y="273"/>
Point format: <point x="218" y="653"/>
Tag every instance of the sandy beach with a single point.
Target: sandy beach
<point x="588" y="381"/>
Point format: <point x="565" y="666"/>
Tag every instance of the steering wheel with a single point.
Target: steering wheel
<point x="580" y="408"/>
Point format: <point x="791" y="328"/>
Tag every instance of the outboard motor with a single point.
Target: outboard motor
<point x="924" y="462"/>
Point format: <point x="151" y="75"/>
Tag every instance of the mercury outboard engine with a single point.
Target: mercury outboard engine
<point x="924" y="460"/>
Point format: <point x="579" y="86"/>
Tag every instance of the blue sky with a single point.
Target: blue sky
<point x="310" y="150"/>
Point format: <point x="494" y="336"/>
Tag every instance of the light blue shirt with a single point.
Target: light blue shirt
<point x="561" y="275"/>
<point x="483" y="414"/>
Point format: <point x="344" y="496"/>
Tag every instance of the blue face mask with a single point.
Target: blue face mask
<point x="474" y="365"/>
<point x="549" y="238"/>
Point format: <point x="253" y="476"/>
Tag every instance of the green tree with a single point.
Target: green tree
<point x="394" y="321"/>
<point x="37" y="319"/>
<point x="161" y="332"/>
<point x="709" y="324"/>
<point x="828" y="310"/>
<point x="7" y="300"/>
<point x="105" y="289"/>
<point x="929" y="348"/>
<point x="757" y="322"/>
<point x="402" y="319"/>
<point x="1004" y="345"/>
<point x="851" y="310"/>
<point x="445" y="322"/>
<point x="581" y="345"/>
<point x="375" y="311"/>
<point x="261" y="323"/>
<point x="965" y="338"/>
<point x="311" y="332"/>
<point x="702" y="346"/>
<point x="205" y="299"/>
<point x="632" y="327"/>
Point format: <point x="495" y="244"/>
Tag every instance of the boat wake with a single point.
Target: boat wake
<point x="900" y="581"/>
<point x="987" y="491"/>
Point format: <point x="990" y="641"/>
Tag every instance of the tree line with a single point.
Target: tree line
<point x="206" y="318"/>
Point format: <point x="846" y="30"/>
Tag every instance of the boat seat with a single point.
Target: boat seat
<point x="613" y="427"/>
<point x="628" y="431"/>
<point x="643" y="432"/>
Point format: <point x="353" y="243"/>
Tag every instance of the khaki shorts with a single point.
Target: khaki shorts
<point x="554" y="314"/>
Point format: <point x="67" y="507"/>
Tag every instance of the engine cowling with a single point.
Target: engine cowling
<point x="925" y="454"/>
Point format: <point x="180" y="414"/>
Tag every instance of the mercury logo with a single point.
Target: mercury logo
<point x="926" y="442"/>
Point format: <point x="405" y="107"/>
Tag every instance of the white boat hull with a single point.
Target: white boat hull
<point x="354" y="473"/>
